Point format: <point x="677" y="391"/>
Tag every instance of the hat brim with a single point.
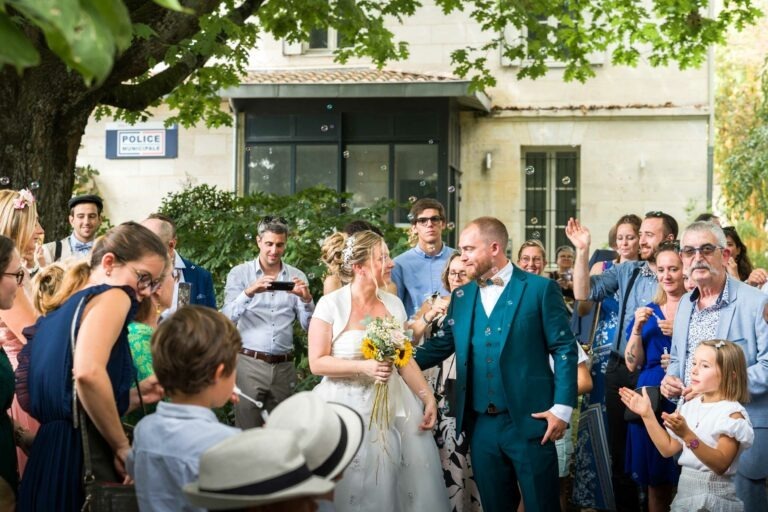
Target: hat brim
<point x="355" y="432"/>
<point x="314" y="486"/>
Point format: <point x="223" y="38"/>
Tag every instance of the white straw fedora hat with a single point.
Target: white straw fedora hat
<point x="329" y="434"/>
<point x="255" y="467"/>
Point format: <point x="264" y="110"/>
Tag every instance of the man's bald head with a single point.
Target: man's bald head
<point x="163" y="229"/>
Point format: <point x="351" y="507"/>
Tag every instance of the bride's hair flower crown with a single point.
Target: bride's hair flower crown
<point x="25" y="199"/>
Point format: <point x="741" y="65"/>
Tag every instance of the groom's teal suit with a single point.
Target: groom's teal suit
<point x="503" y="376"/>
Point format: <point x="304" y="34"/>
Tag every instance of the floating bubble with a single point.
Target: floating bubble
<point x="422" y="183"/>
<point x="410" y="216"/>
<point x="421" y="172"/>
<point x="536" y="235"/>
<point x="510" y="302"/>
<point x="5" y="180"/>
<point x="34" y="185"/>
<point x="451" y="189"/>
<point x="530" y="170"/>
<point x="322" y="206"/>
<point x="566" y="180"/>
<point x="534" y="220"/>
<point x="487" y="331"/>
<point x="343" y="205"/>
<point x="451" y="321"/>
<point x="324" y="128"/>
<point x="253" y="165"/>
<point x="431" y="141"/>
<point x="361" y="173"/>
<point x="345" y="154"/>
<point x="329" y="106"/>
<point x="459" y="293"/>
<point x="331" y="127"/>
<point x="431" y="247"/>
<point x="383" y="167"/>
<point x="450" y="225"/>
<point x="270" y="151"/>
<point x="412" y="199"/>
<point x="440" y="333"/>
<point x="248" y="236"/>
<point x="265" y="177"/>
<point x="310" y="276"/>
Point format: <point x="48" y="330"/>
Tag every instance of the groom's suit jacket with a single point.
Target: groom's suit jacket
<point x="535" y="326"/>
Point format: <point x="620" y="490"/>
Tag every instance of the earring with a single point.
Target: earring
<point x="109" y="273"/>
<point x="158" y="308"/>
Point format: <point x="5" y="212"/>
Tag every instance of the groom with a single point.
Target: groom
<point x="503" y="326"/>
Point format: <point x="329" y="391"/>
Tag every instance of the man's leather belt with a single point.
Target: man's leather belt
<point x="267" y="358"/>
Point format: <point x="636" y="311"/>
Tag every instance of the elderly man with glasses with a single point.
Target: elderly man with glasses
<point x="418" y="271"/>
<point x="634" y="283"/>
<point x="721" y="307"/>
<point x="264" y="297"/>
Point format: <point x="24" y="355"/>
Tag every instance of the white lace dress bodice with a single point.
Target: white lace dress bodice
<point x="397" y="469"/>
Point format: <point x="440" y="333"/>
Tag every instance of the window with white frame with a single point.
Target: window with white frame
<point x="550" y="181"/>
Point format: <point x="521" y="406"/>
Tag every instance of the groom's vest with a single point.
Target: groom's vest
<point x="487" y="341"/>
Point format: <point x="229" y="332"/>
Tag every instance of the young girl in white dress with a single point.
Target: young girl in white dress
<point x="397" y="468"/>
<point x="711" y="429"/>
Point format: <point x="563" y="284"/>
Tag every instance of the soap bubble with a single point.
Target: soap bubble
<point x="324" y="128"/>
<point x="412" y="199"/>
<point x="566" y="180"/>
<point x="5" y="180"/>
<point x="534" y="220"/>
<point x="530" y="170"/>
<point x="451" y="189"/>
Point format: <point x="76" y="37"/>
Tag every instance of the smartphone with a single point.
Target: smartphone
<point x="282" y="285"/>
<point x="183" y="297"/>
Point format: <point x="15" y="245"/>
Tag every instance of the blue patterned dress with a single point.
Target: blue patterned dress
<point x="53" y="477"/>
<point x="591" y="462"/>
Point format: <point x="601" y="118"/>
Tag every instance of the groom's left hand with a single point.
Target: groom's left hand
<point x="555" y="426"/>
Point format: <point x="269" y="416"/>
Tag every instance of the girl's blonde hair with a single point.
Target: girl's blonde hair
<point x="47" y="282"/>
<point x="340" y="251"/>
<point x="18" y="216"/>
<point x="733" y="370"/>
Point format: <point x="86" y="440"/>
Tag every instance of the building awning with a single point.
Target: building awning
<point x="355" y="83"/>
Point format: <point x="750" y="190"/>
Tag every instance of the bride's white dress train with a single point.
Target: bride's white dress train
<point x="397" y="469"/>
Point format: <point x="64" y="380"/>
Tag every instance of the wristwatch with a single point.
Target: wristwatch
<point x="693" y="444"/>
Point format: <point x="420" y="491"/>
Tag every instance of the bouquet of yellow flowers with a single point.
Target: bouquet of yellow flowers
<point x="385" y="340"/>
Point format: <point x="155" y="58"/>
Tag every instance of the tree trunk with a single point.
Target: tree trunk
<point x="43" y="114"/>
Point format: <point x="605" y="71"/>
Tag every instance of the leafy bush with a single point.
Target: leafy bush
<point x="217" y="230"/>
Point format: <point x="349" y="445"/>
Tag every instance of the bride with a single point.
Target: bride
<point x="397" y="468"/>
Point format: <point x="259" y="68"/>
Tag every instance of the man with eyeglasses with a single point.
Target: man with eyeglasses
<point x="721" y="307"/>
<point x="264" y="297"/>
<point x="200" y="281"/>
<point x="417" y="273"/>
<point x="634" y="284"/>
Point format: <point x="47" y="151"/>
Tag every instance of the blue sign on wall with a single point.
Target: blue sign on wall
<point x="142" y="140"/>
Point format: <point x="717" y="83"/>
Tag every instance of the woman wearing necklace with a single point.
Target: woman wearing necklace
<point x="650" y="336"/>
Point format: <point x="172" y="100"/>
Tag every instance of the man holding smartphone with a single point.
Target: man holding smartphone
<point x="263" y="297"/>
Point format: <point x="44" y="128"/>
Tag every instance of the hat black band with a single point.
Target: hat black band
<point x="271" y="486"/>
<point x="334" y="458"/>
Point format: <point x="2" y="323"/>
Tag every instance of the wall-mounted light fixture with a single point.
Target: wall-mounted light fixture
<point x="488" y="161"/>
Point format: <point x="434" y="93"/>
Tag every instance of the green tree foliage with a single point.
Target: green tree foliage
<point x="217" y="229"/>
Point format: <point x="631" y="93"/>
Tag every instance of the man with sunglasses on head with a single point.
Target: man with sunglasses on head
<point x="417" y="273"/>
<point x="634" y="283"/>
<point x="264" y="297"/>
<point x="721" y="307"/>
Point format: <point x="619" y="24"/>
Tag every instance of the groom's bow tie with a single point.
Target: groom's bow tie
<point x="490" y="282"/>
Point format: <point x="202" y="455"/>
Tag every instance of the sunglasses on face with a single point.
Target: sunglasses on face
<point x="705" y="250"/>
<point x="422" y="221"/>
<point x="144" y="280"/>
<point x="18" y="275"/>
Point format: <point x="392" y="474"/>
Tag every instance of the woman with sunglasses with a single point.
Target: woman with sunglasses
<point x="98" y="298"/>
<point x="18" y="221"/>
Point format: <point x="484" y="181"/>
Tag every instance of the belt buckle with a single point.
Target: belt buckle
<point x="492" y="410"/>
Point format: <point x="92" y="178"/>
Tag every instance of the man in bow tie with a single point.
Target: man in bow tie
<point x="512" y="406"/>
<point x="85" y="219"/>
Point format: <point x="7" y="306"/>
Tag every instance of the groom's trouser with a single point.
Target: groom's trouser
<point x="502" y="458"/>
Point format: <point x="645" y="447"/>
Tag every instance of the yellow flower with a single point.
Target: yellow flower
<point x="403" y="355"/>
<point x="369" y="349"/>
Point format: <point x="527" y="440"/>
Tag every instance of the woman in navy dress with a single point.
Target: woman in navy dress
<point x="128" y="262"/>
<point x="649" y="336"/>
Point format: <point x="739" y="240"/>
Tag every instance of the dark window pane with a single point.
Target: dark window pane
<point x="367" y="173"/>
<point x="535" y="170"/>
<point x="268" y="169"/>
<point x="415" y="174"/>
<point x="317" y="127"/>
<point x="566" y="183"/>
<point x="316" y="165"/>
<point x="318" y="39"/>
<point x="417" y="124"/>
<point x="367" y="125"/>
<point x="268" y="126"/>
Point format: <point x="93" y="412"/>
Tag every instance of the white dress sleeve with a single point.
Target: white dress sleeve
<point x="324" y="310"/>
<point x="739" y="429"/>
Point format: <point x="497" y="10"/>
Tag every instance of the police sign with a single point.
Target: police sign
<point x="142" y="140"/>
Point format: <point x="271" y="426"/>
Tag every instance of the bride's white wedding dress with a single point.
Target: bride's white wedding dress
<point x="397" y="469"/>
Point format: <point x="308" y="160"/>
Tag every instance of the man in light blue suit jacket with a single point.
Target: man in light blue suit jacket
<point x="723" y="308"/>
<point x="504" y="326"/>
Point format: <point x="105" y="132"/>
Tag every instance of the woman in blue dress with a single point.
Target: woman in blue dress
<point x="592" y="471"/>
<point x="649" y="336"/>
<point x="128" y="262"/>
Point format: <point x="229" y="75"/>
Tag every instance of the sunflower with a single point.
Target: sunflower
<point x="369" y="349"/>
<point x="403" y="355"/>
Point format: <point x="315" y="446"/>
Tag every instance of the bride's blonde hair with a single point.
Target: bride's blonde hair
<point x="341" y="251"/>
